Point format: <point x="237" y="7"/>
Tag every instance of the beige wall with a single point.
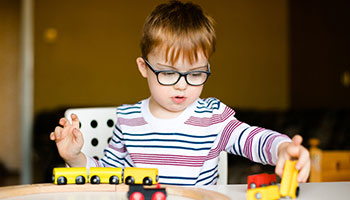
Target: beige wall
<point x="9" y="64"/>
<point x="92" y="60"/>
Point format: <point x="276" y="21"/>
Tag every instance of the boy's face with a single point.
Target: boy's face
<point x="170" y="101"/>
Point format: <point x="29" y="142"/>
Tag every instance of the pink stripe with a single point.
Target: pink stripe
<point x="226" y="134"/>
<point x="165" y="162"/>
<point x="121" y="150"/>
<point x="139" y="121"/>
<point x="162" y="156"/>
<point x="175" y="160"/>
<point x="208" y="121"/>
<point x="247" y="150"/>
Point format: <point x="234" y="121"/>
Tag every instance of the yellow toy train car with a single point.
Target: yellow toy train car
<point x="130" y="175"/>
<point x="263" y="193"/>
<point x="289" y="183"/>
<point x="62" y="176"/>
<point x="145" y="176"/>
<point x="105" y="175"/>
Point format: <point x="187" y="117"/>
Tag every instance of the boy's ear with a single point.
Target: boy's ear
<point x="142" y="66"/>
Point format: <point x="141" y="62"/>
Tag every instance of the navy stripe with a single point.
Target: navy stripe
<point x="209" y="170"/>
<point x="108" y="157"/>
<point x="233" y="147"/>
<point x="211" y="176"/>
<point x="215" y="105"/>
<point x="128" y="113"/>
<point x="200" y="102"/>
<point x="202" y="107"/>
<point x="178" y="177"/>
<point x="239" y="141"/>
<point x="209" y="102"/>
<point x="127" y="162"/>
<point x="178" y="184"/>
<point x="168" y="147"/>
<point x="127" y="108"/>
<point x="259" y="149"/>
<point x="209" y="183"/>
<point x="167" y="140"/>
<point x="262" y="147"/>
<point x="116" y="142"/>
<point x="109" y="164"/>
<point x="118" y="129"/>
<point x="108" y="151"/>
<point x="121" y="139"/>
<point x="174" y="134"/>
<point x="204" y="111"/>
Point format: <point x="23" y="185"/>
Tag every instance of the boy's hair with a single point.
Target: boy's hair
<point x="178" y="27"/>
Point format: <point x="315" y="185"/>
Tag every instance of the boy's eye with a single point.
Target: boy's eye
<point x="168" y="73"/>
<point x="195" y="74"/>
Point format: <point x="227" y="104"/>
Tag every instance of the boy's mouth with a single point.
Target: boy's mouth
<point x="178" y="99"/>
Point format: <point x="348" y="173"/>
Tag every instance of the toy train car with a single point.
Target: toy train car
<point x="289" y="183"/>
<point x="258" y="189"/>
<point x="138" y="192"/>
<point x="261" y="180"/>
<point x="97" y="175"/>
<point x="264" y="193"/>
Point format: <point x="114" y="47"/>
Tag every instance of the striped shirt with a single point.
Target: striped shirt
<point x="186" y="149"/>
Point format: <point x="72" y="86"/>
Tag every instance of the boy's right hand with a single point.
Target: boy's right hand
<point x="69" y="141"/>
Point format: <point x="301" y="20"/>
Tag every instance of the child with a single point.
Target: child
<point x="174" y="130"/>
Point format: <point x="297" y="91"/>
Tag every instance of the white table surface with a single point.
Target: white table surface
<point x="318" y="191"/>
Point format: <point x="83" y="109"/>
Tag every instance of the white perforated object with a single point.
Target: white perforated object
<point x="95" y="138"/>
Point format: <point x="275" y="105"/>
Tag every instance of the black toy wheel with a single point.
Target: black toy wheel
<point x="61" y="180"/>
<point x="129" y="180"/>
<point x="297" y="191"/>
<point x="95" y="180"/>
<point x="114" y="180"/>
<point x="80" y="180"/>
<point x="147" y="181"/>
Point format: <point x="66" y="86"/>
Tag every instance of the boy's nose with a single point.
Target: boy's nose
<point x="181" y="84"/>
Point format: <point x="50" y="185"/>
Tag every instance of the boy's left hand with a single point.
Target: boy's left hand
<point x="294" y="150"/>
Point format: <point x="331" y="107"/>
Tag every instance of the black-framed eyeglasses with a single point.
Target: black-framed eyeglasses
<point x="171" y="77"/>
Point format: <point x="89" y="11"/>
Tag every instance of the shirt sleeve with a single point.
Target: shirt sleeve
<point x="255" y="143"/>
<point x="114" y="153"/>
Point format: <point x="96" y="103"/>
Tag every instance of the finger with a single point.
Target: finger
<point x="279" y="166"/>
<point x="293" y="150"/>
<point x="297" y="140"/>
<point x="78" y="136"/>
<point x="64" y="122"/>
<point x="304" y="173"/>
<point x="58" y="132"/>
<point x="75" y="120"/>
<point x="304" y="158"/>
<point x="52" y="136"/>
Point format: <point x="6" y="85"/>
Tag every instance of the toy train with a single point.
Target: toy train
<point x="97" y="175"/>
<point x="263" y="186"/>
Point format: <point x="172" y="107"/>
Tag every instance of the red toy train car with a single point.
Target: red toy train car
<point x="261" y="180"/>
